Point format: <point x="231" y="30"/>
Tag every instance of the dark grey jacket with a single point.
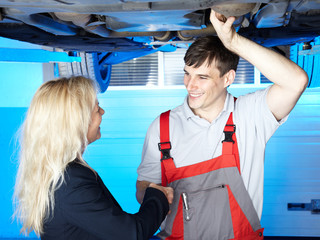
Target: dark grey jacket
<point x="85" y="209"/>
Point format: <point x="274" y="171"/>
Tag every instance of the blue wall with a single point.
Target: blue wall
<point x="18" y="82"/>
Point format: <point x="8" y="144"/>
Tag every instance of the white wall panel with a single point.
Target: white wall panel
<point x="292" y="167"/>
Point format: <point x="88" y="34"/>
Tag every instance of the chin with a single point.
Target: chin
<point x="194" y="104"/>
<point x="99" y="136"/>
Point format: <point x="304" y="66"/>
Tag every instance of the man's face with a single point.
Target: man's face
<point x="206" y="89"/>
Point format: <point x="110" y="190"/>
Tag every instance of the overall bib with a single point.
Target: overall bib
<point x="210" y="199"/>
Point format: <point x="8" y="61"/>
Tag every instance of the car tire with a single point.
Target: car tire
<point x="91" y="66"/>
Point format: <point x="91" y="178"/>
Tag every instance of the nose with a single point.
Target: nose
<point x="102" y="111"/>
<point x="190" y="83"/>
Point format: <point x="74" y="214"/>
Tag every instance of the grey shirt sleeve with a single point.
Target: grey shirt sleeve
<point x="253" y="114"/>
<point x="150" y="166"/>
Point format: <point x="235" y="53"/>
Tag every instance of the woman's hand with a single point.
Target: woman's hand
<point x="224" y="28"/>
<point x="168" y="191"/>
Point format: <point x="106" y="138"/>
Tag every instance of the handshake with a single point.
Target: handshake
<point x="168" y="191"/>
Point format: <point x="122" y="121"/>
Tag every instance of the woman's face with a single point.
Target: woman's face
<point x="94" y="127"/>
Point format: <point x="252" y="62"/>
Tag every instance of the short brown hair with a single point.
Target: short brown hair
<point x="212" y="49"/>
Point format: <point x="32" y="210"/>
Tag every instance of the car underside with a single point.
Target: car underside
<point x="113" y="25"/>
<point x="107" y="32"/>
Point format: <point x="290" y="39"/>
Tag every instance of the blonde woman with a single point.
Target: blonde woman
<point x="57" y="194"/>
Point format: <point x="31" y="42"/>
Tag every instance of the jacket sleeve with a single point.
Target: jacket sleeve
<point x="86" y="203"/>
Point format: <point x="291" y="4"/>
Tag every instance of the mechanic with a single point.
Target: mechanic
<point x="216" y="194"/>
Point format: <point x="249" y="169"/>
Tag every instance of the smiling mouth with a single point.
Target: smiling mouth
<point x="195" y="95"/>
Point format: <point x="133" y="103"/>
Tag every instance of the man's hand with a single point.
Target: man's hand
<point x="168" y="191"/>
<point x="143" y="185"/>
<point x="224" y="28"/>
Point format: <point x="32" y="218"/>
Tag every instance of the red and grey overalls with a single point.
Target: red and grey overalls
<point x="210" y="199"/>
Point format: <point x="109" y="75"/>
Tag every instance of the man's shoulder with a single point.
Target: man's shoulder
<point x="176" y="112"/>
<point x="255" y="93"/>
<point x="250" y="99"/>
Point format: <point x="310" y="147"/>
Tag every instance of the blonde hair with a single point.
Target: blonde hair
<point x="54" y="134"/>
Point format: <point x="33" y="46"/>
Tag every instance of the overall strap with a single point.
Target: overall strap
<point x="165" y="144"/>
<point x="229" y="144"/>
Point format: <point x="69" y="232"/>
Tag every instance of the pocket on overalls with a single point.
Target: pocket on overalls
<point x="207" y="214"/>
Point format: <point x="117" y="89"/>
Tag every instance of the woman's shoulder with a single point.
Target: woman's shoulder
<point x="76" y="172"/>
<point x="78" y="166"/>
<point x="77" y="177"/>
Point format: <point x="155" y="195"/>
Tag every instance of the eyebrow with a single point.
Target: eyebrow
<point x="203" y="75"/>
<point x="200" y="75"/>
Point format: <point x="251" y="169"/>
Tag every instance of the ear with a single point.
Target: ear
<point x="229" y="77"/>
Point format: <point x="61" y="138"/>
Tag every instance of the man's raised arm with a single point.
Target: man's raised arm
<point x="289" y="79"/>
